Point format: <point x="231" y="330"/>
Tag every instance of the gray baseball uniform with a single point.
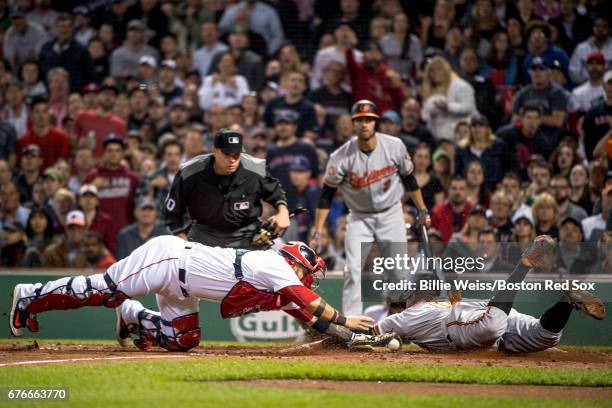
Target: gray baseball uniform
<point x="467" y="325"/>
<point x="372" y="189"/>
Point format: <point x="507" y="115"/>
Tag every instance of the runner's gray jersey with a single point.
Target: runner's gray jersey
<point x="370" y="182"/>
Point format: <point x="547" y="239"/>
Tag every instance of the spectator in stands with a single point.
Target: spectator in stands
<point x="600" y="41"/>
<point x="295" y="100"/>
<point x="539" y="174"/>
<point x="402" y="49"/>
<point x="478" y="191"/>
<point x="502" y="66"/>
<point x="524" y="232"/>
<point x="168" y="81"/>
<point x="306" y="194"/>
<point x="203" y="56"/>
<point x="484" y="91"/>
<point x="43" y="15"/>
<point x="23" y="40"/>
<point x="560" y="188"/>
<point x="8" y="143"/>
<point x="58" y="84"/>
<point x="139" y="107"/>
<point x="224" y="87"/>
<point x="544" y="93"/>
<point x="97" y="255"/>
<point x="125" y="59"/>
<point x="159" y="182"/>
<point x="14" y="249"/>
<point x="39" y="231"/>
<point x="149" y="12"/>
<point x="501" y="210"/>
<point x="463" y="243"/>
<point x="99" y="65"/>
<point x="483" y="146"/>
<point x="83" y="164"/>
<point x="30" y="77"/>
<point x="250" y="65"/>
<point x="538" y="40"/>
<point x="115" y="183"/>
<point x="344" y="38"/>
<point x="61" y="202"/>
<point x="286" y="149"/>
<point x="12" y="210"/>
<point x="390" y="123"/>
<point x="52" y="141"/>
<point x="194" y="145"/>
<point x="580" y="188"/>
<point x="16" y="112"/>
<point x="563" y="159"/>
<point x="6" y="172"/>
<point x="372" y="79"/>
<point x="30" y="172"/>
<point x="448" y="99"/>
<point x="331" y="95"/>
<point x="64" y="51"/>
<point x="435" y="29"/>
<point x="573" y="257"/>
<point x="178" y="120"/>
<point x="572" y="26"/>
<point x="67" y="253"/>
<point x="147" y="70"/>
<point x="96" y="220"/>
<point x="597" y="122"/>
<point x="595" y="225"/>
<point x="91" y="127"/>
<point x="591" y="92"/>
<point x="414" y="130"/>
<point x="262" y="19"/>
<point x="546" y="215"/>
<point x="145" y="228"/>
<point x="451" y="216"/>
<point x="431" y="188"/>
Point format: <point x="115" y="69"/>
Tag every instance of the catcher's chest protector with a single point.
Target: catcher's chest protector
<point x="244" y="298"/>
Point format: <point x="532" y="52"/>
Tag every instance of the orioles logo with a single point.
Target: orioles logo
<point x="331" y="171"/>
<point x="364" y="108"/>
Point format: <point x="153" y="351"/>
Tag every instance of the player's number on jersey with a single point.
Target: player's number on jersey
<point x="170" y="204"/>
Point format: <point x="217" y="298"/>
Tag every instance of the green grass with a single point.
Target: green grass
<point x="191" y="382"/>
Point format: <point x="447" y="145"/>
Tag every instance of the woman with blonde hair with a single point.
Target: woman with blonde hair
<point x="448" y="99"/>
<point x="546" y="215"/>
<point x="491" y="152"/>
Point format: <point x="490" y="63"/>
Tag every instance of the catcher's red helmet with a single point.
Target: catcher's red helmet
<point x="364" y="108"/>
<point x="300" y="253"/>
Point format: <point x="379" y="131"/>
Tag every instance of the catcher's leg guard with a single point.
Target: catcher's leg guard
<point x="150" y="329"/>
<point x="62" y="294"/>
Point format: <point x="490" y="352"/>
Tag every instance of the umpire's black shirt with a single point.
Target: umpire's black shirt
<point x="220" y="203"/>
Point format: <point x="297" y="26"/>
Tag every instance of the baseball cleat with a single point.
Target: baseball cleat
<point x="20" y="317"/>
<point x="535" y="256"/>
<point x="122" y="332"/>
<point x="586" y="302"/>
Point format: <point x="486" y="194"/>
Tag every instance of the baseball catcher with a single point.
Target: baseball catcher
<point x="461" y="325"/>
<point x="180" y="273"/>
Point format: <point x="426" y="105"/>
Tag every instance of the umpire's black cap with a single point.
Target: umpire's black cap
<point x="364" y="108"/>
<point x="228" y="141"/>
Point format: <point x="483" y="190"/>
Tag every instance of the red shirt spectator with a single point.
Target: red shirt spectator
<point x="372" y="79"/>
<point x="53" y="142"/>
<point x="451" y="216"/>
<point x="116" y="184"/>
<point x="97" y="221"/>
<point x="100" y="123"/>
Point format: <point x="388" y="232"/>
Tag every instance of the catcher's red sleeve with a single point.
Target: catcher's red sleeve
<point x="298" y="294"/>
<point x="300" y="314"/>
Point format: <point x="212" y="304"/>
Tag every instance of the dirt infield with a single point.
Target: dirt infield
<point x="18" y="354"/>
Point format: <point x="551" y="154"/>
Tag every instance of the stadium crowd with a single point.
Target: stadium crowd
<point x="505" y="107"/>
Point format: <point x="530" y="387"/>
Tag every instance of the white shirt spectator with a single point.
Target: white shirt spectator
<point x="577" y="67"/>
<point x="461" y="106"/>
<point x="593" y="226"/>
<point x="203" y="57"/>
<point x="263" y="20"/>
<point x="214" y="92"/>
<point x="585" y="97"/>
<point x="19" y="47"/>
<point x="325" y="56"/>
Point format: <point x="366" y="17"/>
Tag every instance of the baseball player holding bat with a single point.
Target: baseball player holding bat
<point x="442" y="325"/>
<point x="372" y="170"/>
<point x="180" y="273"/>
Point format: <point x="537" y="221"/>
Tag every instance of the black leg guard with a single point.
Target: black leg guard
<point x="504" y="299"/>
<point x="556" y="317"/>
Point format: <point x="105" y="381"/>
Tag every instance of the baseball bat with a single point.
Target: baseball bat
<point x="429" y="253"/>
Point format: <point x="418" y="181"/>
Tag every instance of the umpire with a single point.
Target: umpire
<point x="216" y="197"/>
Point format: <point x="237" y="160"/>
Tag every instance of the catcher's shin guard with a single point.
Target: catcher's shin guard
<point x="62" y="294"/>
<point x="186" y="331"/>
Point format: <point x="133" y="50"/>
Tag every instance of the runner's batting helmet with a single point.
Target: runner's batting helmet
<point x="364" y="108"/>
